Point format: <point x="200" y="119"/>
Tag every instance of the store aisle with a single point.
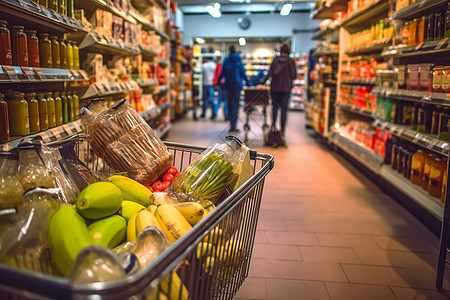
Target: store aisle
<point x="325" y="231"/>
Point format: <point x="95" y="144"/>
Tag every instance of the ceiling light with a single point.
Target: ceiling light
<point x="286" y="9"/>
<point x="200" y="40"/>
<point x="242" y="41"/>
<point x="214" y="10"/>
<point x="240" y="1"/>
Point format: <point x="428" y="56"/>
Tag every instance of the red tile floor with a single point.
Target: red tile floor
<point x="325" y="231"/>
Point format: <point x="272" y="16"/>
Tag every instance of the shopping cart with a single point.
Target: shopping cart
<point x="233" y="223"/>
<point x="254" y="99"/>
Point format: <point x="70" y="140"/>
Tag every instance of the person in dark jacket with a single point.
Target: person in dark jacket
<point x="282" y="72"/>
<point x="234" y="74"/>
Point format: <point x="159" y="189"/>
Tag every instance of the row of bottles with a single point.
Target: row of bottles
<point x="421" y="167"/>
<point x="64" y="7"/>
<point x="24" y="48"/>
<point x="22" y="114"/>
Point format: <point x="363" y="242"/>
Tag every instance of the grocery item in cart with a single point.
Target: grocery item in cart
<point x="127" y="144"/>
<point x="10" y="188"/>
<point x="32" y="171"/>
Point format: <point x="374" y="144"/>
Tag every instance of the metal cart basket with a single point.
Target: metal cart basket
<point x="255" y="98"/>
<point x="230" y="228"/>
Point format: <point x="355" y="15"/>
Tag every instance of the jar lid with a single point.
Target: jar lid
<point x="49" y="94"/>
<point x="15" y="95"/>
<point x="53" y="37"/>
<point x="40" y="95"/>
<point x="3" y="22"/>
<point x="30" y="95"/>
<point x="55" y="94"/>
<point x="43" y="34"/>
<point x="62" y="93"/>
<point x="16" y="27"/>
<point x="30" y="31"/>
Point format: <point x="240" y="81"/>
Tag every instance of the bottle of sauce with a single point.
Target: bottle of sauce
<point x="45" y="50"/>
<point x="5" y="44"/>
<point x="19" y="121"/>
<point x="76" y="105"/>
<point x="43" y="111"/>
<point x="69" y="54"/>
<point x="417" y="163"/>
<point x="437" y="170"/>
<point x="70" y="112"/>
<point x="62" y="54"/>
<point x="426" y="170"/>
<point x="65" y="107"/>
<point x="33" y="112"/>
<point x="4" y="121"/>
<point x="58" y="108"/>
<point x="32" y="172"/>
<point x="33" y="48"/>
<point x="19" y="46"/>
<point x="55" y="52"/>
<point x="51" y="110"/>
<point x="76" y="56"/>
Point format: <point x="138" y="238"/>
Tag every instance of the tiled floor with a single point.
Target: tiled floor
<point x="325" y="231"/>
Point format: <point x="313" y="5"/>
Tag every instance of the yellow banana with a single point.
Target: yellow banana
<point x="132" y="190"/>
<point x="152" y="208"/>
<point x="204" y="249"/>
<point x="214" y="237"/>
<point x="109" y="231"/>
<point x="207" y="205"/>
<point x="129" y="208"/>
<point x="156" y="294"/>
<point x="131" y="228"/>
<point x="192" y="211"/>
<point x="172" y="286"/>
<point x="208" y="265"/>
<point x="172" y="222"/>
<point x="145" y="218"/>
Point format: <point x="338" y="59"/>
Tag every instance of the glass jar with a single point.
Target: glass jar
<point x="58" y="109"/>
<point x="426" y="170"/>
<point x="431" y="27"/>
<point x="417" y="163"/>
<point x="436" y="84"/>
<point x="43" y="111"/>
<point x="52" y="4"/>
<point x="69" y="54"/>
<point x="44" y="3"/>
<point x="33" y="112"/>
<point x="62" y="7"/>
<point x="70" y="112"/>
<point x="65" y="108"/>
<point x="439" y="30"/>
<point x="10" y="188"/>
<point x="437" y="169"/>
<point x="76" y="105"/>
<point x="32" y="172"/>
<point x="19" y="122"/>
<point x="76" y="56"/>
<point x="69" y="7"/>
<point x="45" y="50"/>
<point x="4" y="121"/>
<point x="55" y="52"/>
<point x="33" y="48"/>
<point x="5" y="44"/>
<point x="62" y="54"/>
<point x="19" y="46"/>
<point x="51" y="110"/>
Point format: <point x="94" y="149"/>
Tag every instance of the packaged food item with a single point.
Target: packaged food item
<point x="407" y="163"/>
<point x="4" y="120"/>
<point x="52" y="4"/>
<point x="437" y="170"/>
<point x="447" y="22"/>
<point x="424" y="118"/>
<point x="412" y="81"/>
<point x="388" y="151"/>
<point x="426" y="170"/>
<point x="44" y="3"/>
<point x="70" y="107"/>
<point x="437" y="79"/>
<point x="444" y="117"/>
<point x="445" y="82"/>
<point x="430" y="27"/>
<point x="10" y="188"/>
<point x="43" y="111"/>
<point x="63" y="54"/>
<point x="76" y="105"/>
<point x="407" y="113"/>
<point x="33" y="112"/>
<point x="51" y="109"/>
<point x="439" y="30"/>
<point x="426" y="77"/>
<point x="33" y="48"/>
<point x="420" y="30"/>
<point x="32" y="171"/>
<point x="62" y="7"/>
<point x="5" y="44"/>
<point x="19" y="46"/>
<point x="394" y="155"/>
<point x="56" y="58"/>
<point x="415" y="116"/>
<point x="19" y="123"/>
<point x="45" y="51"/>
<point x="69" y="8"/>
<point x="76" y="56"/>
<point x="401" y="76"/>
<point x="400" y="158"/>
<point x="417" y="164"/>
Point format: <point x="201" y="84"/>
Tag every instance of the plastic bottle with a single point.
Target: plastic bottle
<point x="417" y="163"/>
<point x="437" y="169"/>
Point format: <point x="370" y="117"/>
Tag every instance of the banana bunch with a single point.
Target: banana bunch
<point x="138" y="222"/>
<point x="132" y="190"/>
<point x="172" y="222"/>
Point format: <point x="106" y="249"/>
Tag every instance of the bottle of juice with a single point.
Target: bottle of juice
<point x="426" y="170"/>
<point x="437" y="169"/>
<point x="33" y="112"/>
<point x="19" y="122"/>
<point x="51" y="110"/>
<point x="58" y="109"/>
<point x="418" y="161"/>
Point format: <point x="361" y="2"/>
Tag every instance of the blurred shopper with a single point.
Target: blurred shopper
<point x="234" y="74"/>
<point x="208" y="68"/>
<point x="281" y="73"/>
<point x="222" y="97"/>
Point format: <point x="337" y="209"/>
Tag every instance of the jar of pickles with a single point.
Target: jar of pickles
<point x="5" y="44"/>
<point x="33" y="112"/>
<point x="19" y="46"/>
<point x="43" y="111"/>
<point x="45" y="51"/>
<point x="76" y="105"/>
<point x="33" y="48"/>
<point x="55" y="52"/>
<point x="65" y="107"/>
<point x="51" y="110"/>
<point x="437" y="169"/>
<point x="58" y="108"/>
<point x="76" y="56"/>
<point x="69" y="54"/>
<point x="4" y="121"/>
<point x="19" y="122"/>
<point x="62" y="54"/>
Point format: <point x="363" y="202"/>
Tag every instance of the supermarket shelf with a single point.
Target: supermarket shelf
<point x="425" y="140"/>
<point x="147" y="82"/>
<point x="94" y="43"/>
<point x="369" y="48"/>
<point x="98" y="89"/>
<point x="356" y="110"/>
<point x="359" y="152"/>
<point x="146" y="25"/>
<point x="326" y="11"/>
<point x="419" y="8"/>
<point x="147" y="52"/>
<point x="12" y="74"/>
<point x="323" y="33"/>
<point x="37" y="17"/>
<point x="49" y="135"/>
<point x="154" y="112"/>
<point x="359" y="81"/>
<point x="434" y="48"/>
<point x="415" y="96"/>
<point x="163" y="35"/>
<point x="91" y="6"/>
<point x="327" y="52"/>
<point x="432" y="204"/>
<point x="363" y="18"/>
<point x="164" y="131"/>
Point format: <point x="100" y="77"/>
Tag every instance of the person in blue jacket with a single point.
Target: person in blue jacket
<point x="234" y="74"/>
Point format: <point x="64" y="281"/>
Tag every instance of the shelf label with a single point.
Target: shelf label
<point x="39" y="73"/>
<point x="100" y="87"/>
<point x="56" y="133"/>
<point x="441" y="43"/>
<point x="77" y="126"/>
<point x="11" y="73"/>
<point x="83" y="74"/>
<point x="419" y="46"/>
<point x="44" y="137"/>
<point x="29" y="73"/>
<point x="67" y="129"/>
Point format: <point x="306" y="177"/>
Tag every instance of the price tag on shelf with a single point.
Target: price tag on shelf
<point x="11" y="73"/>
<point x="29" y="73"/>
<point x="441" y="43"/>
<point x="39" y="73"/>
<point x="419" y="46"/>
<point x="56" y="133"/>
<point x="83" y="74"/>
<point x="45" y="137"/>
<point x="77" y="126"/>
<point x="100" y="88"/>
<point x="67" y="129"/>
